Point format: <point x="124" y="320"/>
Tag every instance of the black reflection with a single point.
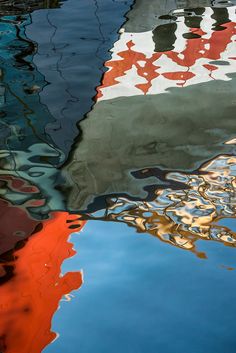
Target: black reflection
<point x="164" y="37"/>
<point x="221" y="16"/>
<point x="195" y="19"/>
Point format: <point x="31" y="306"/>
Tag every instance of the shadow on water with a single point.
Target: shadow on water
<point x="154" y="149"/>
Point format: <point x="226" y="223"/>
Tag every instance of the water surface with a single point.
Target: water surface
<point x="117" y="176"/>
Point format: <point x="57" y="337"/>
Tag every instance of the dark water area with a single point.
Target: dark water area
<point x="117" y="176"/>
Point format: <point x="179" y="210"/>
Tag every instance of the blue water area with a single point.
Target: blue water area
<point x="141" y="295"/>
<point x="228" y="222"/>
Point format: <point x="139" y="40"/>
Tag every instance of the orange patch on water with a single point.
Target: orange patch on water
<point x="31" y="297"/>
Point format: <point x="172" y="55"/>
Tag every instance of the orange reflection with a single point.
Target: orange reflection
<point x="29" y="300"/>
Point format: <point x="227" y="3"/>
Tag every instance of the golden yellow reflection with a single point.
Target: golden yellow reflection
<point x="181" y="217"/>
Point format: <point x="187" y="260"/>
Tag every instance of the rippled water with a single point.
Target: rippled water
<point x="117" y="140"/>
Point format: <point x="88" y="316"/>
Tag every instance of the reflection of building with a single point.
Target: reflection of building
<point x="156" y="107"/>
<point x="165" y="107"/>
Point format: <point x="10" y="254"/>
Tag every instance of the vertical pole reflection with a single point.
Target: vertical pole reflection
<point x="29" y="300"/>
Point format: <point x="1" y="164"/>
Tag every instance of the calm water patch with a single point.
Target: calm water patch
<point x="142" y="295"/>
